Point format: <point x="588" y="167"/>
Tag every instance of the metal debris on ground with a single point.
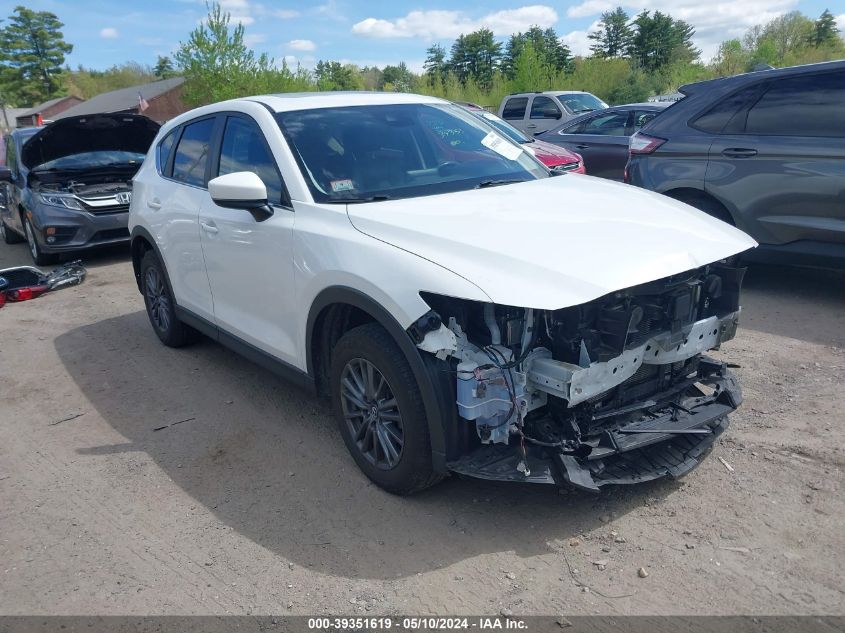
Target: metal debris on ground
<point x="726" y="465"/>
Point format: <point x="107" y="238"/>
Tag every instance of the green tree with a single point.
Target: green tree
<point x="659" y="39"/>
<point x="613" y="36"/>
<point x="164" y="68"/>
<point x="826" y="32"/>
<point x="217" y="64"/>
<point x="731" y="59"/>
<point x="789" y="33"/>
<point x="529" y="72"/>
<point x="435" y="64"/>
<point x="336" y="76"/>
<point x="553" y="56"/>
<point x="396" y="78"/>
<point x="476" y="56"/>
<point x="32" y="53"/>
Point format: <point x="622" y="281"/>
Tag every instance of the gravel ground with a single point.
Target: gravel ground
<point x="248" y="503"/>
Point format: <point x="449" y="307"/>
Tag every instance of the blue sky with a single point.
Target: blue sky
<point x="366" y="32"/>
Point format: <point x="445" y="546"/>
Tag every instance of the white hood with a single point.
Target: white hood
<point x="555" y="242"/>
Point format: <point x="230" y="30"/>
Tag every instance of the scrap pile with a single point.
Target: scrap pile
<point x="22" y="283"/>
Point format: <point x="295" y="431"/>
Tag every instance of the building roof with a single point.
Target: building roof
<point x="43" y="106"/>
<point x="123" y="99"/>
<point x="11" y="114"/>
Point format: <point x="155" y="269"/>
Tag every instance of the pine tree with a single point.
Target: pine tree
<point x="613" y="36"/>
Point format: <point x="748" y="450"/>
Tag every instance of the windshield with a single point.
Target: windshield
<point x="505" y="128"/>
<point x="92" y="160"/>
<point x="581" y="102"/>
<point x="361" y="153"/>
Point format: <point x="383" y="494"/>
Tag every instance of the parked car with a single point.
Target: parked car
<point x="464" y="310"/>
<point x="557" y="159"/>
<point x="68" y="184"/>
<point x="536" y="112"/>
<point x="602" y="137"/>
<point x="764" y="151"/>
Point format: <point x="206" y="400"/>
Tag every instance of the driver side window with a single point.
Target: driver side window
<point x="244" y="149"/>
<point x="544" y="108"/>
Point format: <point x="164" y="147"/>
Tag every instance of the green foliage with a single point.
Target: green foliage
<point x="164" y="68"/>
<point x="551" y="55"/>
<point x="613" y="37"/>
<point x="436" y="66"/>
<point x="529" y="71"/>
<point x="659" y="39"/>
<point x="32" y="53"/>
<point x="476" y="56"/>
<point x="88" y="83"/>
<point x="337" y="76"/>
<point x="218" y="65"/>
<point x="396" y="78"/>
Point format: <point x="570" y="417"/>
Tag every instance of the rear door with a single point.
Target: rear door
<point x="602" y="140"/>
<point x="250" y="263"/>
<point x="543" y="115"/>
<point x="780" y="161"/>
<point x="515" y="112"/>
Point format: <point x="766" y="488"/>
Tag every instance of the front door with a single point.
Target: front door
<point x="250" y="263"/>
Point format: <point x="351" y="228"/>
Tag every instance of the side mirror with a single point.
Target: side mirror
<point x="241" y="190"/>
<point x="558" y="114"/>
<point x="5" y="174"/>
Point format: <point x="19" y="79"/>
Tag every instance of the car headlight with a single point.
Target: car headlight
<point x="63" y="201"/>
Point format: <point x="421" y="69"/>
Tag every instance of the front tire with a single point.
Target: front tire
<point x="161" y="308"/>
<point x="38" y="256"/>
<point x="380" y="411"/>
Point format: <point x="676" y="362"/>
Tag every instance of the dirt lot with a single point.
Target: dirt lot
<point x="252" y="504"/>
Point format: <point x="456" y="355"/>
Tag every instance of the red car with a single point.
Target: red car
<point x="554" y="157"/>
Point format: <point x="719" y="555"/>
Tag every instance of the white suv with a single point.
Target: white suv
<point x="465" y="309"/>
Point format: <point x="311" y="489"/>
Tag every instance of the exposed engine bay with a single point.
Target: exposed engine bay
<point x="613" y="391"/>
<point x="97" y="192"/>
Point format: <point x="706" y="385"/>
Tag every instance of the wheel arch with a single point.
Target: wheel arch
<point x="142" y="242"/>
<point x="704" y="201"/>
<point x="338" y="309"/>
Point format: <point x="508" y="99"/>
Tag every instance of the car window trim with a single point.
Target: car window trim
<point x="214" y="163"/>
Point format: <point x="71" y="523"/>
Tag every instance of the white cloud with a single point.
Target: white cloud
<point x="714" y="21"/>
<point x="240" y="10"/>
<point x="301" y="45"/>
<point x="330" y="10"/>
<point x="285" y="14"/>
<point x="840" y="22"/>
<point x="437" y="24"/>
<point x="577" y="40"/>
<point x="109" y="33"/>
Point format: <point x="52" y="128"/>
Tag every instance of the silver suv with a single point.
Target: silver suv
<point x="535" y="112"/>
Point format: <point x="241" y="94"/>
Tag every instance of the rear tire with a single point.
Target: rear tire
<point x="9" y="236"/>
<point x="161" y="308"/>
<point x="380" y="412"/>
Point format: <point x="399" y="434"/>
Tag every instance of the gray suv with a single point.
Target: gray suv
<point x="68" y="184"/>
<point x="764" y="151"/>
<point x="536" y="112"/>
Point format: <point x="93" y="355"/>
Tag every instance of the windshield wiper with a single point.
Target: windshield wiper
<point x="379" y="198"/>
<point x="495" y="183"/>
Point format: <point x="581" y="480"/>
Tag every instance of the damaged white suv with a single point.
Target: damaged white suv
<point x="465" y="309"/>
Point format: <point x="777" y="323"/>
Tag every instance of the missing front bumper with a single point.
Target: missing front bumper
<point x="655" y="446"/>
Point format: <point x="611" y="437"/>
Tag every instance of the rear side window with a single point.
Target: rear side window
<point x="244" y="149"/>
<point x="810" y="105"/>
<point x="731" y="110"/>
<point x="641" y="117"/>
<point x="189" y="163"/>
<point x="163" y="154"/>
<point x="612" y="124"/>
<point x="515" y="108"/>
<point x="544" y="108"/>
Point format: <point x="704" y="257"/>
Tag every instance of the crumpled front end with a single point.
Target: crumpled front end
<point x="615" y="391"/>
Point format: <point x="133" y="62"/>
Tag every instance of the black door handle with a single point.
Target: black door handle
<point x="582" y="147"/>
<point x="739" y="152"/>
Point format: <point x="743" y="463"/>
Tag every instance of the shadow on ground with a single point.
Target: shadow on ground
<point x="266" y="460"/>
<point x="807" y="304"/>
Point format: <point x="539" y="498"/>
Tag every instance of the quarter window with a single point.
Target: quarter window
<point x="604" y="124"/>
<point x="515" y="108"/>
<point x="189" y="163"/>
<point x="544" y="108"/>
<point x="244" y="149"/>
<point x="163" y="154"/>
<point x="809" y="105"/>
<point x="730" y="110"/>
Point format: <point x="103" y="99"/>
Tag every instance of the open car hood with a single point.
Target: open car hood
<point x="555" y="242"/>
<point x="89" y="133"/>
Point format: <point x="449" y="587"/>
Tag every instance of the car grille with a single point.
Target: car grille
<point x="103" y="205"/>
<point x="110" y="234"/>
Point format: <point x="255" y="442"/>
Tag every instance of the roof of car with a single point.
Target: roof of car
<point x="737" y="80"/>
<point x="308" y="100"/>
